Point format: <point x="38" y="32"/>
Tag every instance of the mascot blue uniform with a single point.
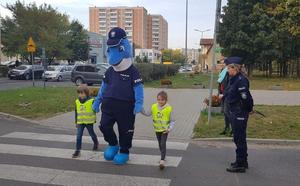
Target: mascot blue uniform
<point x="121" y="96"/>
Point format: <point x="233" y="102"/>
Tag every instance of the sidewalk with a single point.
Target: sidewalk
<point x="187" y="104"/>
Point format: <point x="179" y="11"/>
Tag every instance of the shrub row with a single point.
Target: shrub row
<point x="151" y="71"/>
<point x="3" y="71"/>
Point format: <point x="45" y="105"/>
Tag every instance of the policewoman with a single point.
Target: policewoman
<point x="240" y="103"/>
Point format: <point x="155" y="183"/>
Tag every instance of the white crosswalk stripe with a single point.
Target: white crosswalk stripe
<point x="74" y="178"/>
<point x="136" y="159"/>
<point x="86" y="139"/>
<point x="46" y="175"/>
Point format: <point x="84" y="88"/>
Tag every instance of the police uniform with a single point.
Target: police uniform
<point x="118" y="106"/>
<point x="240" y="102"/>
<point x="121" y="97"/>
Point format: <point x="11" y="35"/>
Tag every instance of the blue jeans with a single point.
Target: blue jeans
<point x="80" y="129"/>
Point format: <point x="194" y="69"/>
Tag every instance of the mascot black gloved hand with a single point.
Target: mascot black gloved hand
<point x="121" y="97"/>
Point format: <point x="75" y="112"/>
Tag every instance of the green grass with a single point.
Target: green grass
<point x="184" y="80"/>
<point x="281" y="122"/>
<point x="35" y="103"/>
<point x="263" y="83"/>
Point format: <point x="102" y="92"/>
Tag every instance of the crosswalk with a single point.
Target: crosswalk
<point x="145" y="157"/>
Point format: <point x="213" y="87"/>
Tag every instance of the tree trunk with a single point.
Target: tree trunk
<point x="270" y="69"/>
<point x="298" y="68"/>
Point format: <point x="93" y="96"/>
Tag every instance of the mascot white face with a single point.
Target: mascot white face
<point x="120" y="54"/>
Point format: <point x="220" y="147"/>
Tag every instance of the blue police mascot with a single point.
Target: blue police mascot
<point x="121" y="96"/>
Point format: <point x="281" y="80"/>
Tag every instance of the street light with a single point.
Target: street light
<point x="186" y="27"/>
<point x="202" y="31"/>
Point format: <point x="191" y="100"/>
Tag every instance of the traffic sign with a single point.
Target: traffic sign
<point x="31" y="47"/>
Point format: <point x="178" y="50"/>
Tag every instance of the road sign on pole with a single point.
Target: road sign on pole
<point x="31" y="47"/>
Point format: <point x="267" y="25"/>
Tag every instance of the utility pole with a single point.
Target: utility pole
<point x="186" y="27"/>
<point x="216" y="31"/>
<point x="0" y="39"/>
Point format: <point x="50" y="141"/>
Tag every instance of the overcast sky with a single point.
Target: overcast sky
<point x="201" y="14"/>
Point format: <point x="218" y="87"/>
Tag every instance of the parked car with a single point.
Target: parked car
<point x="25" y="72"/>
<point x="58" y="73"/>
<point x="88" y="73"/>
<point x="11" y="64"/>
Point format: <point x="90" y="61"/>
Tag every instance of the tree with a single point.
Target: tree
<point x="49" y="29"/>
<point x="138" y="59"/>
<point x="263" y="33"/>
<point x="78" y="43"/>
<point x="237" y="31"/>
<point x="145" y="59"/>
<point x="174" y="56"/>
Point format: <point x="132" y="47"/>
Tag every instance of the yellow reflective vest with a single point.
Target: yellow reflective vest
<point x="161" y="118"/>
<point x="85" y="113"/>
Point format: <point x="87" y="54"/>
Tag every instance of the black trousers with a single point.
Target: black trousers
<point x="162" y="143"/>
<point x="120" y="112"/>
<point x="225" y="108"/>
<point x="239" y="121"/>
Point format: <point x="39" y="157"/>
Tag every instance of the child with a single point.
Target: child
<point x="163" y="123"/>
<point x="85" y="117"/>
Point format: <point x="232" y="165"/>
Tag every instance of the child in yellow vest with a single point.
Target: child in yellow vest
<point x="85" y="117"/>
<point x="163" y="122"/>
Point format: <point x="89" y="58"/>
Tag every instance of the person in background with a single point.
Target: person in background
<point x="85" y="117"/>
<point x="163" y="123"/>
<point x="240" y="102"/>
<point x="223" y="82"/>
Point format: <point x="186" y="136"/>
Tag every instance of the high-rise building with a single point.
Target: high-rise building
<point x="158" y="32"/>
<point x="145" y="31"/>
<point x="132" y="19"/>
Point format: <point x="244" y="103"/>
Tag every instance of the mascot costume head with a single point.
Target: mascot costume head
<point x="121" y="95"/>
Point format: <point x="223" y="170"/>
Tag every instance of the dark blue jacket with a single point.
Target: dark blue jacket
<point x="237" y="93"/>
<point x="120" y="85"/>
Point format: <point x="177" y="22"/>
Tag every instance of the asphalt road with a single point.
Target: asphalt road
<point x="31" y="155"/>
<point x="6" y="84"/>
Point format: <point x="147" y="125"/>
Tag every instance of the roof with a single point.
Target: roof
<point x="206" y="41"/>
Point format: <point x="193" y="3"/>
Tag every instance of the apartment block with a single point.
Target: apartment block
<point x="158" y="32"/>
<point x="132" y="19"/>
<point x="145" y="31"/>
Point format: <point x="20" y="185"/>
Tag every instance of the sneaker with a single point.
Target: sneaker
<point x="161" y="164"/>
<point x="76" y="154"/>
<point x="95" y="147"/>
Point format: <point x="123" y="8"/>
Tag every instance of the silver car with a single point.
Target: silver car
<point x="58" y="73"/>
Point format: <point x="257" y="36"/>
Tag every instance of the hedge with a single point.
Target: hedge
<point x="150" y="71"/>
<point x="3" y="71"/>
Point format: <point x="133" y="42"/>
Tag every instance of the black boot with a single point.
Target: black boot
<point x="224" y="131"/>
<point x="236" y="169"/>
<point x="76" y="154"/>
<point x="244" y="164"/>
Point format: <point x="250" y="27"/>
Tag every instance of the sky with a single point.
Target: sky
<point x="201" y="15"/>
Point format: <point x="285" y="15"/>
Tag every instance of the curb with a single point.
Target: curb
<point x="253" y="140"/>
<point x="18" y="117"/>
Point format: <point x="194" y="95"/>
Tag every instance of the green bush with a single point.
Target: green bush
<point x="150" y="72"/>
<point x="3" y="71"/>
